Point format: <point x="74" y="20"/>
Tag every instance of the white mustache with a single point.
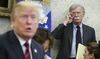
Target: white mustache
<point x="76" y="17"/>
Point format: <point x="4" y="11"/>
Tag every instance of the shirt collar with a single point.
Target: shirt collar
<point x="76" y="25"/>
<point x="22" y="41"/>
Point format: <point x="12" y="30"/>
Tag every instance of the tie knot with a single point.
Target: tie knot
<point x="26" y="44"/>
<point x="78" y="27"/>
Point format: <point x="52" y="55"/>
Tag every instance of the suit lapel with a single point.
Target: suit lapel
<point x="84" y="34"/>
<point x="34" y="50"/>
<point x="69" y="31"/>
<point x="16" y="46"/>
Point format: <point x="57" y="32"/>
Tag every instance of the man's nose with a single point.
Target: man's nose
<point x="29" y="20"/>
<point x="76" y="14"/>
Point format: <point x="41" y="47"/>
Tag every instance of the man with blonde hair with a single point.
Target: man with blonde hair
<point x="18" y="43"/>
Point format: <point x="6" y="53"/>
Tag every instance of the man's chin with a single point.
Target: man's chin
<point x="77" y="22"/>
<point x="29" y="35"/>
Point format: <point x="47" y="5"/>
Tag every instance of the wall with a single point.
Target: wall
<point x="4" y="25"/>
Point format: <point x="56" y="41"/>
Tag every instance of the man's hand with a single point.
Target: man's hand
<point x="68" y="19"/>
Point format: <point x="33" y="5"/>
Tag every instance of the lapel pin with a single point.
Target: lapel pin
<point x="35" y="50"/>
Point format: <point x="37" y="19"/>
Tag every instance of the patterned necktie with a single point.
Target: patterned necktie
<point x="78" y="37"/>
<point x="27" y="52"/>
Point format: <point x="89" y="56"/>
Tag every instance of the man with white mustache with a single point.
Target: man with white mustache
<point x="72" y="32"/>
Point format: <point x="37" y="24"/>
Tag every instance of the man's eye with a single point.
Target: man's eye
<point x="33" y="16"/>
<point x="24" y="16"/>
<point x="78" y="12"/>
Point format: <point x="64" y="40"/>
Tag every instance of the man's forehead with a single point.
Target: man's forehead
<point x="77" y="8"/>
<point x="23" y="10"/>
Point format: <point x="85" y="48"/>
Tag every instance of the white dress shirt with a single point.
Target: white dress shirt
<point x="22" y="42"/>
<point x="73" y="50"/>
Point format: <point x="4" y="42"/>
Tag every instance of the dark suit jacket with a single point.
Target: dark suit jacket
<point x="10" y="47"/>
<point x="65" y="34"/>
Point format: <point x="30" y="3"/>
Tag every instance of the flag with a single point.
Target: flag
<point x="46" y="24"/>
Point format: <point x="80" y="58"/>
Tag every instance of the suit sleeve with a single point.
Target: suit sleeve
<point x="2" y="52"/>
<point x="93" y="35"/>
<point x="58" y="32"/>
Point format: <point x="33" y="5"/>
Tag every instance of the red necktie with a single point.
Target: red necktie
<point x="27" y="52"/>
<point x="78" y="36"/>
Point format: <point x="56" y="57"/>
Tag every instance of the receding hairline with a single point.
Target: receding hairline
<point x="74" y="6"/>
